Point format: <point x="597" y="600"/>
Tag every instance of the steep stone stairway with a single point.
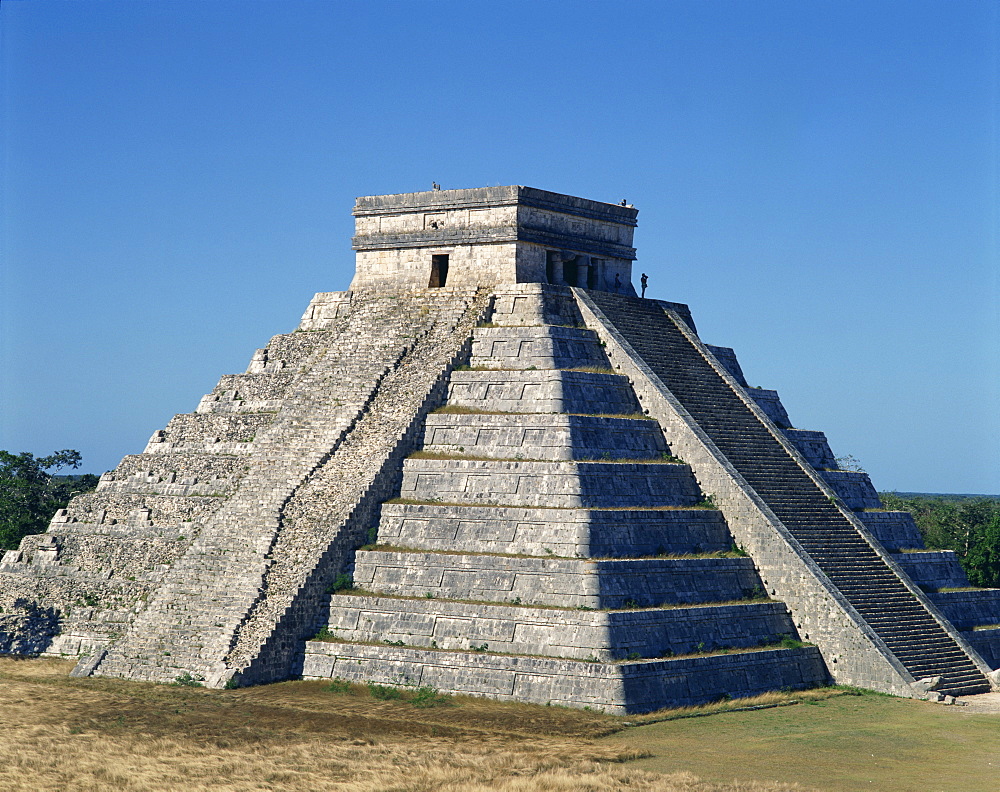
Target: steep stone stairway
<point x="912" y="634"/>
<point x="974" y="612"/>
<point x="223" y="592"/>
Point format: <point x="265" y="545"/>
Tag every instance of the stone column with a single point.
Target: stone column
<point x="556" y="260"/>
<point x="582" y="271"/>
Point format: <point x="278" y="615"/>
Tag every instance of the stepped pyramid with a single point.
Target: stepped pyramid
<point x="491" y="468"/>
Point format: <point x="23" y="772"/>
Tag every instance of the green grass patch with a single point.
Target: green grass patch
<point x="456" y="409"/>
<point x="843" y="740"/>
<point x="423" y="697"/>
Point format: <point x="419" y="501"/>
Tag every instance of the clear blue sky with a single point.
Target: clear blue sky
<point x="817" y="180"/>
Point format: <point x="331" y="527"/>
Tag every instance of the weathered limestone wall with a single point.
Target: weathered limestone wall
<point x="558" y="484"/>
<point x="617" y="689"/>
<point x="567" y="582"/>
<point x="556" y="632"/>
<point x="814" y="448"/>
<point x="571" y="533"/>
<point x="544" y="437"/>
<point x="727" y="359"/>
<point x="933" y="569"/>
<point x="468" y="265"/>
<point x="337" y="507"/>
<point x="541" y="391"/>
<point x="469" y="595"/>
<point x="325" y="309"/>
<point x="853" y="487"/>
<point x="538" y="348"/>
<point x="894" y="530"/>
<point x="102" y="558"/>
<point x="770" y="404"/>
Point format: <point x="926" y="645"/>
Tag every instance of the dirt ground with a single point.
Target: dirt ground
<point x="985" y="703"/>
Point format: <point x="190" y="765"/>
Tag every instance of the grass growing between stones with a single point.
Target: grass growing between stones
<point x="470" y="457"/>
<point x="456" y="409"/>
<point x="624" y="416"/>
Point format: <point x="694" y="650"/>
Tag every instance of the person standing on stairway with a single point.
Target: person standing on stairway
<point x="644" y="280"/>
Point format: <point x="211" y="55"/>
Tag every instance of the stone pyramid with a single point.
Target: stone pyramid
<point x="489" y="467"/>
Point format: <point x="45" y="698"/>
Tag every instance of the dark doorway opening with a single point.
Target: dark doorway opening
<point x="569" y="272"/>
<point x="439" y="270"/>
<point x="550" y="266"/>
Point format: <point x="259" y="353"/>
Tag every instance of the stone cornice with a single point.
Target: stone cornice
<point x="486" y="197"/>
<point x="465" y="236"/>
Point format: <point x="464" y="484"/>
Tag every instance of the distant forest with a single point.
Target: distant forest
<point x="969" y="525"/>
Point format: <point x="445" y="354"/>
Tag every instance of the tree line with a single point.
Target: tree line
<point x="968" y="525"/>
<point x="32" y="489"/>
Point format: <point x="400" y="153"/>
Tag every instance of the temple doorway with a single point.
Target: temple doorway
<point x="439" y="270"/>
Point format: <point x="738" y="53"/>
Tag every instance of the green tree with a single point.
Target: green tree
<point x="982" y="562"/>
<point x="969" y="526"/>
<point x="30" y="494"/>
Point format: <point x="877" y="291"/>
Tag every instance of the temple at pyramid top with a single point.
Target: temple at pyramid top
<point x="492" y="235"/>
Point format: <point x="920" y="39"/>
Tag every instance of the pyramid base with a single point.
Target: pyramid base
<point x="615" y="688"/>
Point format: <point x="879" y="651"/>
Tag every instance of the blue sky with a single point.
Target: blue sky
<point x="818" y="181"/>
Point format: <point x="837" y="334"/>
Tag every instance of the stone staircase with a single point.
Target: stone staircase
<point x="104" y="556"/>
<point x="200" y="611"/>
<point x="816" y="522"/>
<point x="975" y="613"/>
<point x="546" y="547"/>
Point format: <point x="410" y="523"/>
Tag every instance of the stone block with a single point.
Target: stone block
<point x="566" y="582"/>
<point x="617" y="688"/>
<point x="770" y="403"/>
<point x="727" y="359"/>
<point x="545" y="391"/>
<point x="558" y="484"/>
<point x="853" y="487"/>
<point x="325" y="309"/>
<point x="605" y="635"/>
<point x="969" y="609"/>
<point x="526" y="304"/>
<point x="933" y="569"/>
<point x="987" y="643"/>
<point x="563" y="532"/>
<point x="814" y="447"/>
<point x="894" y="530"/>
<point x="547" y="347"/>
<point x="549" y="437"/>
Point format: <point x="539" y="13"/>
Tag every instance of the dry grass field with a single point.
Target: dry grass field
<point x="97" y="734"/>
